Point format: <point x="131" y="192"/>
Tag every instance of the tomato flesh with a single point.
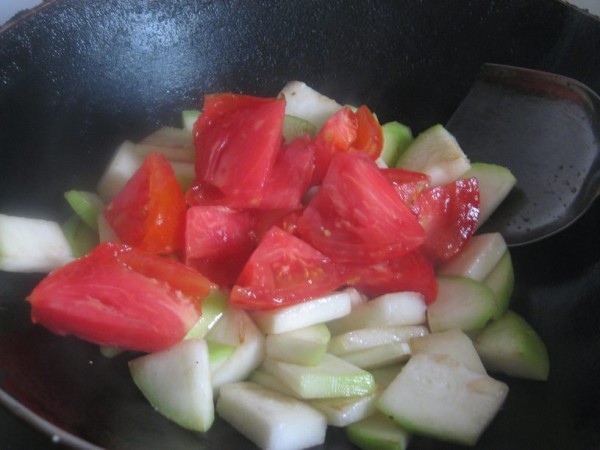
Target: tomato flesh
<point x="411" y="272"/>
<point x="149" y="212"/>
<point x="449" y="214"/>
<point x="407" y="183"/>
<point x="237" y="139"/>
<point x="356" y="215"/>
<point x="218" y="240"/>
<point x="283" y="270"/>
<point x="100" y="299"/>
<point x="369" y="135"/>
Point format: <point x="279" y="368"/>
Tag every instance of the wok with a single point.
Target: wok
<point x="77" y="78"/>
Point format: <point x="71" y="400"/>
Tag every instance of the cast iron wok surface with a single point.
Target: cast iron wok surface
<point x="79" y="77"/>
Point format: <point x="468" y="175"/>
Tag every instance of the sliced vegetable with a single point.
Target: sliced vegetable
<point x="394" y="309"/>
<point x="237" y="329"/>
<point x="378" y="432"/>
<point x="32" y="245"/>
<point x="176" y="382"/>
<point x="306" y="103"/>
<point x="478" y="257"/>
<point x="501" y="280"/>
<point x="304" y="314"/>
<point x="100" y="299"/>
<point x="435" y="396"/>
<point x="283" y="270"/>
<point x="437" y="153"/>
<point x="511" y="346"/>
<point x="356" y="215"/>
<point x="495" y="183"/>
<point x="304" y="346"/>
<point x="87" y="205"/>
<point x="269" y="419"/>
<point x="332" y="377"/>
<point x="396" y="138"/>
<point x="237" y="138"/>
<point x="149" y="212"/>
<point x="461" y="303"/>
<point x="453" y="343"/>
<point x="449" y="215"/>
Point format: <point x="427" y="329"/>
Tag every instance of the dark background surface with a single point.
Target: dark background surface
<point x="77" y="78"/>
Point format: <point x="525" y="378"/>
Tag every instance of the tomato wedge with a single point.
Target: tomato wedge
<point x="449" y="214"/>
<point x="407" y="183"/>
<point x="335" y="136"/>
<point x="237" y="139"/>
<point x="218" y="241"/>
<point x="357" y="216"/>
<point x="149" y="212"/>
<point x="105" y="300"/>
<point x="283" y="270"/>
<point x="369" y="135"/>
<point x="411" y="272"/>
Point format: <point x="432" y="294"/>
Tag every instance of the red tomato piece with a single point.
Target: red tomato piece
<point x="407" y="183"/>
<point x="449" y="214"/>
<point x="283" y="270"/>
<point x="286" y="219"/>
<point x="218" y="241"/>
<point x="237" y="139"/>
<point x="411" y="272"/>
<point x="335" y="136"/>
<point x="149" y="212"/>
<point x="291" y="176"/>
<point x="369" y="136"/>
<point x="176" y="274"/>
<point x="102" y="300"/>
<point x="357" y="216"/>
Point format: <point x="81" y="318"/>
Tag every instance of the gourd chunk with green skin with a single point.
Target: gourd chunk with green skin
<point x="305" y="346"/>
<point x="511" y="346"/>
<point x="176" y="382"/>
<point x="438" y="397"/>
<point x="378" y="432"/>
<point x="32" y="245"/>
<point x="300" y="315"/>
<point x="394" y="309"/>
<point x="236" y="329"/>
<point x="270" y="419"/>
<point x="453" y="343"/>
<point x="366" y="338"/>
<point x="477" y="259"/>
<point x="396" y="138"/>
<point x="501" y="280"/>
<point x="495" y="182"/>
<point x="437" y="153"/>
<point x="332" y="377"/>
<point x="461" y="303"/>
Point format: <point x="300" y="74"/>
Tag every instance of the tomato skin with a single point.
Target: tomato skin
<point x="449" y="214"/>
<point x="100" y="299"/>
<point x="369" y="135"/>
<point x="283" y="189"/>
<point x="176" y="274"/>
<point x="356" y="215"/>
<point x="407" y="183"/>
<point x="237" y="139"/>
<point x="218" y="240"/>
<point x="283" y="270"/>
<point x="148" y="213"/>
<point x="335" y="136"/>
<point x="411" y="272"/>
<point x="291" y="176"/>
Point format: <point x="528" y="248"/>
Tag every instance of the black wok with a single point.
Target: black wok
<point x="79" y="77"/>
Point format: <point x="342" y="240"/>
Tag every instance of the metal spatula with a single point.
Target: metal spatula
<point x="546" y="129"/>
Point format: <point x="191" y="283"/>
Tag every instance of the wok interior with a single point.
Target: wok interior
<point x="77" y="78"/>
